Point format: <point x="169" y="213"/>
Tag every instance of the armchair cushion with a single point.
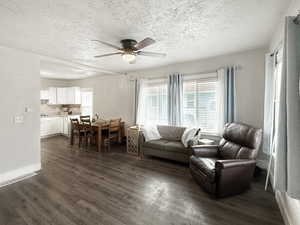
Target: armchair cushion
<point x="205" y="151"/>
<point x="206" y="166"/>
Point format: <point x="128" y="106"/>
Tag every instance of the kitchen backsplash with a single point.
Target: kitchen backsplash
<point x="52" y="110"/>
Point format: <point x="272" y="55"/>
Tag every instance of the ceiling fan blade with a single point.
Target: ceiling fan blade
<point x="144" y="43"/>
<point x="116" y="53"/>
<point x="152" y="54"/>
<point x="108" y="44"/>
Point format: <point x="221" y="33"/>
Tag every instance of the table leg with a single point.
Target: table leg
<point x="119" y="136"/>
<point x="72" y="138"/>
<point x="99" y="139"/>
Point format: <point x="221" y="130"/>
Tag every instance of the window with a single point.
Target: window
<point x="154" y="102"/>
<point x="87" y="102"/>
<point x="200" y="103"/>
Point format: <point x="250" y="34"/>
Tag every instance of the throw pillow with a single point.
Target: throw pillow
<point x="171" y="133"/>
<point x="150" y="133"/>
<point x="190" y="135"/>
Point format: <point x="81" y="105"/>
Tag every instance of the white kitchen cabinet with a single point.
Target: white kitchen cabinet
<point x="68" y="95"/>
<point x="44" y="94"/>
<point x="51" y="126"/>
<point x="77" y="94"/>
<point x="52" y="96"/>
<point x="66" y="122"/>
<point x="62" y="95"/>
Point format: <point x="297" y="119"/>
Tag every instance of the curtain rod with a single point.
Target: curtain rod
<point x="237" y="68"/>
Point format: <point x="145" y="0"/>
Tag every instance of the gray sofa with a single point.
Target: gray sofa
<point x="166" y="147"/>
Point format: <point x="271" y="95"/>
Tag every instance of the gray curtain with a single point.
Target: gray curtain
<point x="175" y="93"/>
<point x="287" y="134"/>
<point x="136" y="98"/>
<point x="230" y="96"/>
<point x="269" y="103"/>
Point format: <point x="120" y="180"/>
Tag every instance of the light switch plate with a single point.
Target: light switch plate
<point x="19" y="119"/>
<point x="28" y="109"/>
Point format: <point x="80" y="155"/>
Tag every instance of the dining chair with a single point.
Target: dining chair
<point x="76" y="131"/>
<point x="114" y="132"/>
<point x="90" y="134"/>
<point x="85" y="118"/>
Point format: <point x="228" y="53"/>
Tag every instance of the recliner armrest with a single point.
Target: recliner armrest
<point x="205" y="151"/>
<point x="223" y="164"/>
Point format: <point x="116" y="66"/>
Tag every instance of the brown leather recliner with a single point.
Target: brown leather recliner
<point x="227" y="169"/>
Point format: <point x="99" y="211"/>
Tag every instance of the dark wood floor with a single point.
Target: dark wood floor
<point x="77" y="187"/>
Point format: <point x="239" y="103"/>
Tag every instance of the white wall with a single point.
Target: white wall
<point x="46" y="83"/>
<point x="19" y="88"/>
<point x="290" y="207"/>
<point x="112" y="96"/>
<point x="250" y="80"/>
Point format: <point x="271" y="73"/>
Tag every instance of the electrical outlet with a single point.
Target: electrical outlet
<point x="19" y="119"/>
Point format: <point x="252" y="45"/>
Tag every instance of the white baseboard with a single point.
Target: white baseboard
<point x="288" y="217"/>
<point x="18" y="174"/>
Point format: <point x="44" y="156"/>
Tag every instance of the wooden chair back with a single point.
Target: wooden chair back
<point x="86" y="122"/>
<point x="115" y="125"/>
<point x="85" y="118"/>
<point x="75" y="125"/>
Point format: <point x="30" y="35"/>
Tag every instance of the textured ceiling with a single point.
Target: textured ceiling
<point x="184" y="29"/>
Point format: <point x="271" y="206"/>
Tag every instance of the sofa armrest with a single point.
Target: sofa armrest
<point x="224" y="164"/>
<point x="205" y="151"/>
<point x="141" y="138"/>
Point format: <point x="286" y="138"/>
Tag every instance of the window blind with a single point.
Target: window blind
<point x="200" y="103"/>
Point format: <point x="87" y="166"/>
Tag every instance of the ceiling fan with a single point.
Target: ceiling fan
<point x="131" y="49"/>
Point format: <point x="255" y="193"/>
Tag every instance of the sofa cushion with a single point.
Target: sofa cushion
<point x="157" y="144"/>
<point x="171" y="132"/>
<point x="190" y="135"/>
<point x="175" y="146"/>
<point x="206" y="166"/>
<point x="167" y="145"/>
<point x="150" y="133"/>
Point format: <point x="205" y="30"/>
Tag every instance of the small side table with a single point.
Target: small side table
<point x="133" y="141"/>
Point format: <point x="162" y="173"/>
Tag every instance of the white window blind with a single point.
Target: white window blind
<point x="153" y="102"/>
<point x="200" y="103"/>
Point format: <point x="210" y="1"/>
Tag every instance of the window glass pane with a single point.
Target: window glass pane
<point x="199" y="104"/>
<point x="87" y="103"/>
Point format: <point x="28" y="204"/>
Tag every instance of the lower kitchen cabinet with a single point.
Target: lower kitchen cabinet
<point x="51" y="126"/>
<point x="57" y="125"/>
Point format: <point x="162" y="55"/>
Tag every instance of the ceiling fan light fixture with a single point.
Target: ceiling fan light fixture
<point x="129" y="57"/>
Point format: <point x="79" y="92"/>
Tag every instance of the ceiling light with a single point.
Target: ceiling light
<point x="128" y="57"/>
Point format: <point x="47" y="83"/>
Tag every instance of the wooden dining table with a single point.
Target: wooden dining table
<point x="98" y="128"/>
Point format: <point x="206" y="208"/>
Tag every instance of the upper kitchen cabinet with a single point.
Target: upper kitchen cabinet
<point x="61" y="95"/>
<point x="66" y="95"/>
<point x="73" y="95"/>
<point x="52" y="96"/>
<point x="44" y="94"/>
